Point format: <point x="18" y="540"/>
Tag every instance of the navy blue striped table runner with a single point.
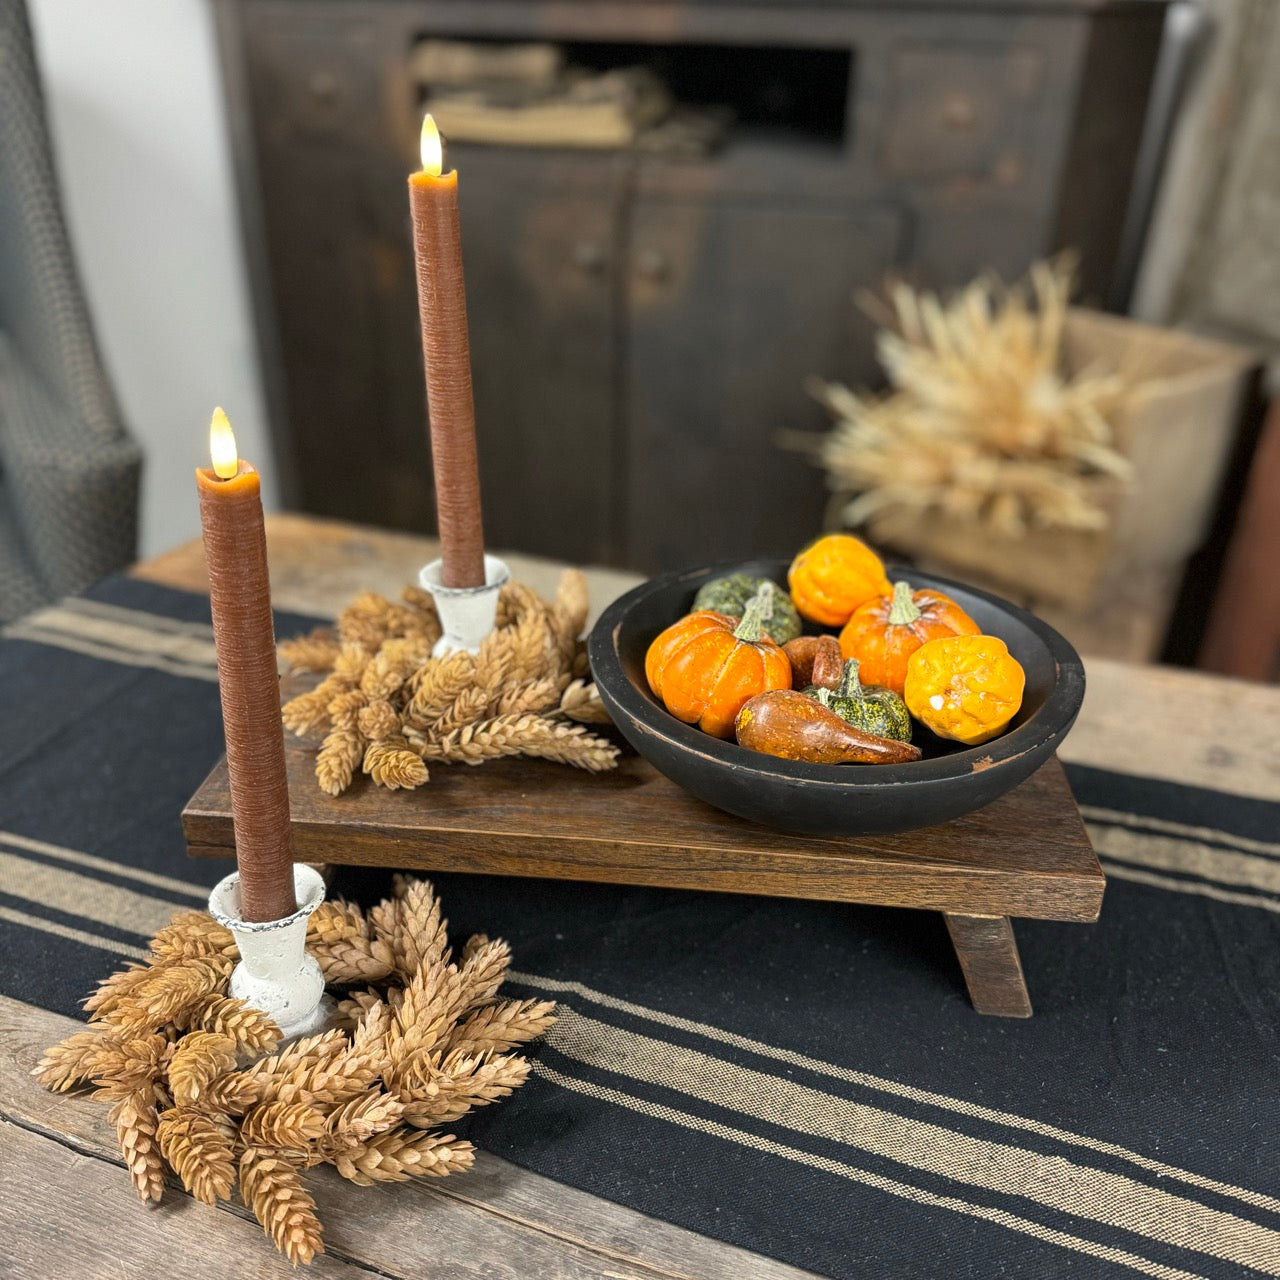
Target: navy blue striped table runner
<point x="803" y="1079"/>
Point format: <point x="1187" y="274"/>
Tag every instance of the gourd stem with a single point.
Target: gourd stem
<point x="903" y="611"/>
<point x="850" y="685"/>
<point x="758" y="611"/>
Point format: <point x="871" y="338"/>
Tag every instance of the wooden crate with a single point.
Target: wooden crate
<point x="1178" y="432"/>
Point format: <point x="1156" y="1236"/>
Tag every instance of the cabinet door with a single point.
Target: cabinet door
<point x="539" y="240"/>
<point x="732" y="307"/>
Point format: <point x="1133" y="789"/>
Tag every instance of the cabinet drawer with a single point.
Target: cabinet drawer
<point x="314" y="80"/>
<point x="733" y="306"/>
<point x="961" y="111"/>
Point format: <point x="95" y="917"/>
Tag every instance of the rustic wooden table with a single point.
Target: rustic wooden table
<point x="67" y="1203"/>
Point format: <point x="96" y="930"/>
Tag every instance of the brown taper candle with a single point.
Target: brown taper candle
<point x="446" y="355"/>
<point x="235" y="550"/>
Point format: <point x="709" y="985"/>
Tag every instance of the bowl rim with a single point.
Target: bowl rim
<point x="1048" y="723"/>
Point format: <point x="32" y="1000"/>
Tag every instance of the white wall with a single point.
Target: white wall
<point x="135" y="105"/>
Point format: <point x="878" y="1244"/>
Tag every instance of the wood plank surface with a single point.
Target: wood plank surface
<point x="497" y="1221"/>
<point x="1026" y="855"/>
<point x="64" y="1213"/>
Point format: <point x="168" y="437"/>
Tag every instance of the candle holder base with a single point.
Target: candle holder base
<point x="467" y="614"/>
<point x="276" y="973"/>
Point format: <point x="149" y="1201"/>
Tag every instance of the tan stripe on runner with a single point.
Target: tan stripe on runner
<point x="1002" y="1217"/>
<point x="107" y="653"/>
<point x="131" y="636"/>
<point x="895" y="1087"/>
<point x="1052" y="1181"/>
<point x="15" y="841"/>
<point x="1190" y="857"/>
<point x="1213" y="835"/>
<point x="135" y="617"/>
<point x="82" y="896"/>
<point x="1123" y="872"/>
<point x="75" y="935"/>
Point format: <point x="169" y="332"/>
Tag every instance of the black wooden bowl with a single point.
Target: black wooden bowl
<point x="850" y="800"/>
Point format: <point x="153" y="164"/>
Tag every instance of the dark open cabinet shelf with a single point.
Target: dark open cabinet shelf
<point x="643" y="326"/>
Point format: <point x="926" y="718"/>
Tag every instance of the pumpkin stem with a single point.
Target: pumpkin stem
<point x="758" y="611"/>
<point x="823" y="696"/>
<point x="850" y="685"/>
<point x="903" y="611"/>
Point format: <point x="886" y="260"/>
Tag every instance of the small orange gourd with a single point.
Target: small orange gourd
<point x="830" y="578"/>
<point x="705" y="666"/>
<point x="966" y="688"/>
<point x="885" y="632"/>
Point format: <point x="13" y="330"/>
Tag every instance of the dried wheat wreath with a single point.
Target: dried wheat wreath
<point x="423" y="1040"/>
<point x="386" y="706"/>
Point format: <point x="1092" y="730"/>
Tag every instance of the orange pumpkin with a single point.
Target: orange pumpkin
<point x="886" y="631"/>
<point x="966" y="688"/>
<point x="705" y="666"/>
<point x="830" y="578"/>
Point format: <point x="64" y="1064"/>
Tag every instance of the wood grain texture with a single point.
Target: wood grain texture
<point x="1027" y="854"/>
<point x="50" y="1186"/>
<point x="497" y="1221"/>
<point x="988" y="955"/>
<point x="1179" y="726"/>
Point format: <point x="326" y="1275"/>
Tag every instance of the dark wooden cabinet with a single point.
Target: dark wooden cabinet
<point x="730" y="305"/>
<point x="642" y="328"/>
<point x="545" y="311"/>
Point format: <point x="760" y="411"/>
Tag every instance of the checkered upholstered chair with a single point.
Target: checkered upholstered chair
<point x="68" y="470"/>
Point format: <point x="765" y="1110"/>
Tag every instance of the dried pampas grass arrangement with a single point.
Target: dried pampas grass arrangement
<point x="386" y="707"/>
<point x="423" y="1040"/>
<point x="980" y="422"/>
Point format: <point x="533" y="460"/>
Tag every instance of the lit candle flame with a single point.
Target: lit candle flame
<point x="222" y="447"/>
<point x="432" y="148"/>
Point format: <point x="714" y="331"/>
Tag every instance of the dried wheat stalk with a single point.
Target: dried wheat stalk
<point x="979" y="423"/>
<point x="271" y="1185"/>
<point x="136" y="1122"/>
<point x="521" y="735"/>
<point x="199" y="1149"/>
<point x="315" y="651"/>
<point x="385" y="705"/>
<point x="250" y="1029"/>
<point x="168" y="1052"/>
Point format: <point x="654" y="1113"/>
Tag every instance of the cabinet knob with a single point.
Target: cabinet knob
<point x="588" y="255"/>
<point x="324" y="85"/>
<point x="652" y="264"/>
<point x="958" y="112"/>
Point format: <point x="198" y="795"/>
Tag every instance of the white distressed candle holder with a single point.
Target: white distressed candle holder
<point x="276" y="973"/>
<point x="467" y="614"/>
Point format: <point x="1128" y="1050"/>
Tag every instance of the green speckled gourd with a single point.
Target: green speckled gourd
<point x="866" y="706"/>
<point x="730" y="595"/>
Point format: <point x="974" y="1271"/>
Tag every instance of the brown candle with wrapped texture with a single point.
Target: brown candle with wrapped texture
<point x="442" y="311"/>
<point x="235" y="550"/>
